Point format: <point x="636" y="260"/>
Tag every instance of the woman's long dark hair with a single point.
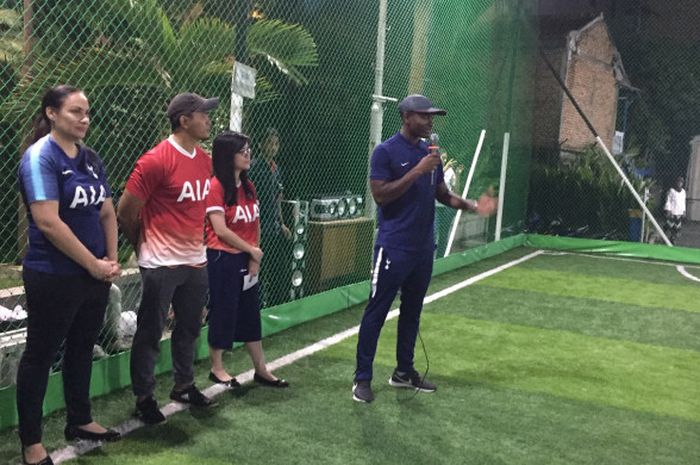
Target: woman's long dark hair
<point x="225" y="147"/>
<point x="53" y="98"/>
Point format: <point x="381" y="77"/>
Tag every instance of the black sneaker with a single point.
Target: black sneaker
<point x="411" y="380"/>
<point x="362" y="391"/>
<point x="147" y="411"/>
<point x="192" y="396"/>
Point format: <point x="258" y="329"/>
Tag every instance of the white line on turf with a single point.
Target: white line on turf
<point x="681" y="268"/>
<point x="651" y="261"/>
<point x="685" y="273"/>
<point x="83" y="447"/>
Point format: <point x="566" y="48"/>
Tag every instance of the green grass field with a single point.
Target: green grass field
<point x="563" y="359"/>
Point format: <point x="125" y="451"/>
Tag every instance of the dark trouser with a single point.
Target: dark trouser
<point x="186" y="288"/>
<point x="59" y="308"/>
<point x="673" y="227"/>
<point x="234" y="314"/>
<point x="393" y="270"/>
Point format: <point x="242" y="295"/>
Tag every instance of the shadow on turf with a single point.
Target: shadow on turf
<point x="163" y="435"/>
<point x="254" y="394"/>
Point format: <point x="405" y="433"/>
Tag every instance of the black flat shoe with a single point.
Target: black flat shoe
<point x="45" y="461"/>
<point x="278" y="383"/>
<point x="232" y="383"/>
<point x="193" y="396"/>
<point x="73" y="432"/>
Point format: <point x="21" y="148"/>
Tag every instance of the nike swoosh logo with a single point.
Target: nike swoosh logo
<point x="67" y="172"/>
<point x="404" y="164"/>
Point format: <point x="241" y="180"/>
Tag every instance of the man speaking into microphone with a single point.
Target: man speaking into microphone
<point x="405" y="179"/>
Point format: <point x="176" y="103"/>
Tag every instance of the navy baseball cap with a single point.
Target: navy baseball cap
<point x="419" y="104"/>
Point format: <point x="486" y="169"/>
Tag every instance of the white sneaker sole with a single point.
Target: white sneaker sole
<point x="357" y="399"/>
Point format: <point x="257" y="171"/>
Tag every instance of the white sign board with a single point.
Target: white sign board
<point x="618" y="143"/>
<point x="243" y="82"/>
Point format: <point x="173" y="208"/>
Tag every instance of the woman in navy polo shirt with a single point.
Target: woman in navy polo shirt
<point x="71" y="260"/>
<point x="233" y="257"/>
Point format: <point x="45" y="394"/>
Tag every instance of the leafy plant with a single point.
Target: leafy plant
<point x="586" y="195"/>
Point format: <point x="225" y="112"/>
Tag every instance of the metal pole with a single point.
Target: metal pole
<point x="241" y="56"/>
<point x="644" y="215"/>
<point x="502" y="186"/>
<point x="509" y="122"/>
<point x="28" y="57"/>
<point x="377" y="109"/>
<point x="632" y="190"/>
<point x="472" y="168"/>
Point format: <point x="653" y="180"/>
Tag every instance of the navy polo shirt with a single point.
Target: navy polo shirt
<point x="79" y="185"/>
<point x="407" y="223"/>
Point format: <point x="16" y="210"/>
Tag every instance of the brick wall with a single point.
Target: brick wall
<point x="592" y="83"/>
<point x="589" y="77"/>
<point x="548" y="100"/>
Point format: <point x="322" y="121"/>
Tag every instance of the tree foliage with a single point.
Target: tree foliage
<point x="665" y="115"/>
<point x="133" y="43"/>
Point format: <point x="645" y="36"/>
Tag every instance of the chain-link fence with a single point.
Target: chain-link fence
<point x="316" y="115"/>
<point x="631" y="66"/>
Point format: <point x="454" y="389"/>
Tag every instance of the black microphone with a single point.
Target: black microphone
<point x="434" y="150"/>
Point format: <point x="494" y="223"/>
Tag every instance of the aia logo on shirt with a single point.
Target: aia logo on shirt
<point x="85" y="198"/>
<point x="195" y="193"/>
<point x="244" y="214"/>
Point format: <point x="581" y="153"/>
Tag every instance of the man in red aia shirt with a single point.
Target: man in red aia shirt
<point x="162" y="213"/>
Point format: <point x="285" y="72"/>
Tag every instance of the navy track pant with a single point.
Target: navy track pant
<point x="394" y="270"/>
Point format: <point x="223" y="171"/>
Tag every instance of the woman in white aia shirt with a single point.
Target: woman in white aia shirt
<point x="675" y="210"/>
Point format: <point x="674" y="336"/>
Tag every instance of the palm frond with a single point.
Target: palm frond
<point x="264" y="91"/>
<point x="202" y="46"/>
<point x="115" y="69"/>
<point x="10" y="20"/>
<point x="138" y="24"/>
<point x="10" y="49"/>
<point x="219" y="67"/>
<point x="134" y="45"/>
<point x="10" y="35"/>
<point x="287" y="47"/>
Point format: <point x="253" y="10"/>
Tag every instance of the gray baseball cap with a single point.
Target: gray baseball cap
<point x="187" y="103"/>
<point x="419" y="104"/>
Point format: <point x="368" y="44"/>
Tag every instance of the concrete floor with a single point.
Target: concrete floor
<point x="690" y="235"/>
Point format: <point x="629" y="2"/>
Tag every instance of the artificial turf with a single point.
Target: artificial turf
<point x="535" y="365"/>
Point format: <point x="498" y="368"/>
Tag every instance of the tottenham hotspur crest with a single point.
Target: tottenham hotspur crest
<point x="91" y="170"/>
